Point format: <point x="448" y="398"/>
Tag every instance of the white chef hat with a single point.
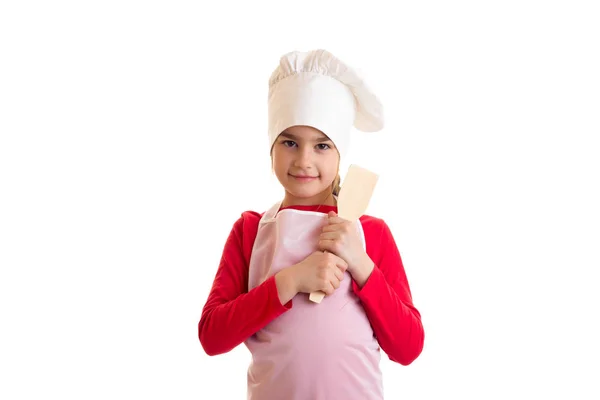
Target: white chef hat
<point x="316" y="89"/>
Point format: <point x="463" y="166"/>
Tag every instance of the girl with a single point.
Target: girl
<point x="272" y="261"/>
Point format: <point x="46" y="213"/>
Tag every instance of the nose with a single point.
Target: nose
<point x="303" y="157"/>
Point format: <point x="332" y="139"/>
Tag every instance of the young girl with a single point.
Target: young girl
<point x="272" y="261"/>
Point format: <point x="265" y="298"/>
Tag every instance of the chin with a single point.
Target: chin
<point x="306" y="193"/>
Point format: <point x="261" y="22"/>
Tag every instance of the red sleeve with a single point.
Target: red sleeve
<point x="387" y="299"/>
<point x="231" y="313"/>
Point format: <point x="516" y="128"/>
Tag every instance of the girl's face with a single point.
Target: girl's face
<point x="305" y="162"/>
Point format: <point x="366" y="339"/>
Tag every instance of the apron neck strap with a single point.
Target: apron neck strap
<point x="269" y="216"/>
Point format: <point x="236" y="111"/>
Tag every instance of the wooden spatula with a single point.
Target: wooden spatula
<point x="353" y="200"/>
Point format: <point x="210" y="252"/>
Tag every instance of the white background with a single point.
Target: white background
<point x="133" y="135"/>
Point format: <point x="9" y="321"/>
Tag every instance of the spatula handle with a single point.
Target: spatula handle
<point x="316" y="297"/>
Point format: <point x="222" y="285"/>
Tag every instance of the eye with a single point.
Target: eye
<point x="323" y="146"/>
<point x="288" y="143"/>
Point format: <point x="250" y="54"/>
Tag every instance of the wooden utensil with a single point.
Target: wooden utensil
<point x="353" y="200"/>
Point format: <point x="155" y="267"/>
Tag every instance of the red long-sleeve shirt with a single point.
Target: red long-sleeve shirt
<point x="232" y="313"/>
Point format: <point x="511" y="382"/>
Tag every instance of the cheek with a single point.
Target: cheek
<point x="332" y="167"/>
<point x="277" y="167"/>
<point x="280" y="165"/>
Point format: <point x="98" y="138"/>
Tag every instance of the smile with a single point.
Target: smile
<point x="304" y="178"/>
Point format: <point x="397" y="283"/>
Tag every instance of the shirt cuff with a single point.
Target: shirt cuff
<point x="274" y="302"/>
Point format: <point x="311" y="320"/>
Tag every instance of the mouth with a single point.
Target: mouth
<point x="304" y="178"/>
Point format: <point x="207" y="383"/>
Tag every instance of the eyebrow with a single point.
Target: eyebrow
<point x="296" y="138"/>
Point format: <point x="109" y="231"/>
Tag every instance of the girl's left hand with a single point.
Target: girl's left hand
<point x="341" y="238"/>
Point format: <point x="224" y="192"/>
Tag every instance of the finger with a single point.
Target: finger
<point x="335" y="226"/>
<point x="341" y="264"/>
<point x="335" y="283"/>
<point x="332" y="221"/>
<point x="335" y="219"/>
<point x="329" y="235"/>
<point x="339" y="274"/>
<point x="333" y="260"/>
<point x="327" y="245"/>
<point x="329" y="289"/>
<point x="330" y="228"/>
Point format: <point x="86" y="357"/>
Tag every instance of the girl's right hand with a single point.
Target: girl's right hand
<point x="321" y="271"/>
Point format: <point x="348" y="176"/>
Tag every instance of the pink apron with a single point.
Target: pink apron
<point x="323" y="351"/>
